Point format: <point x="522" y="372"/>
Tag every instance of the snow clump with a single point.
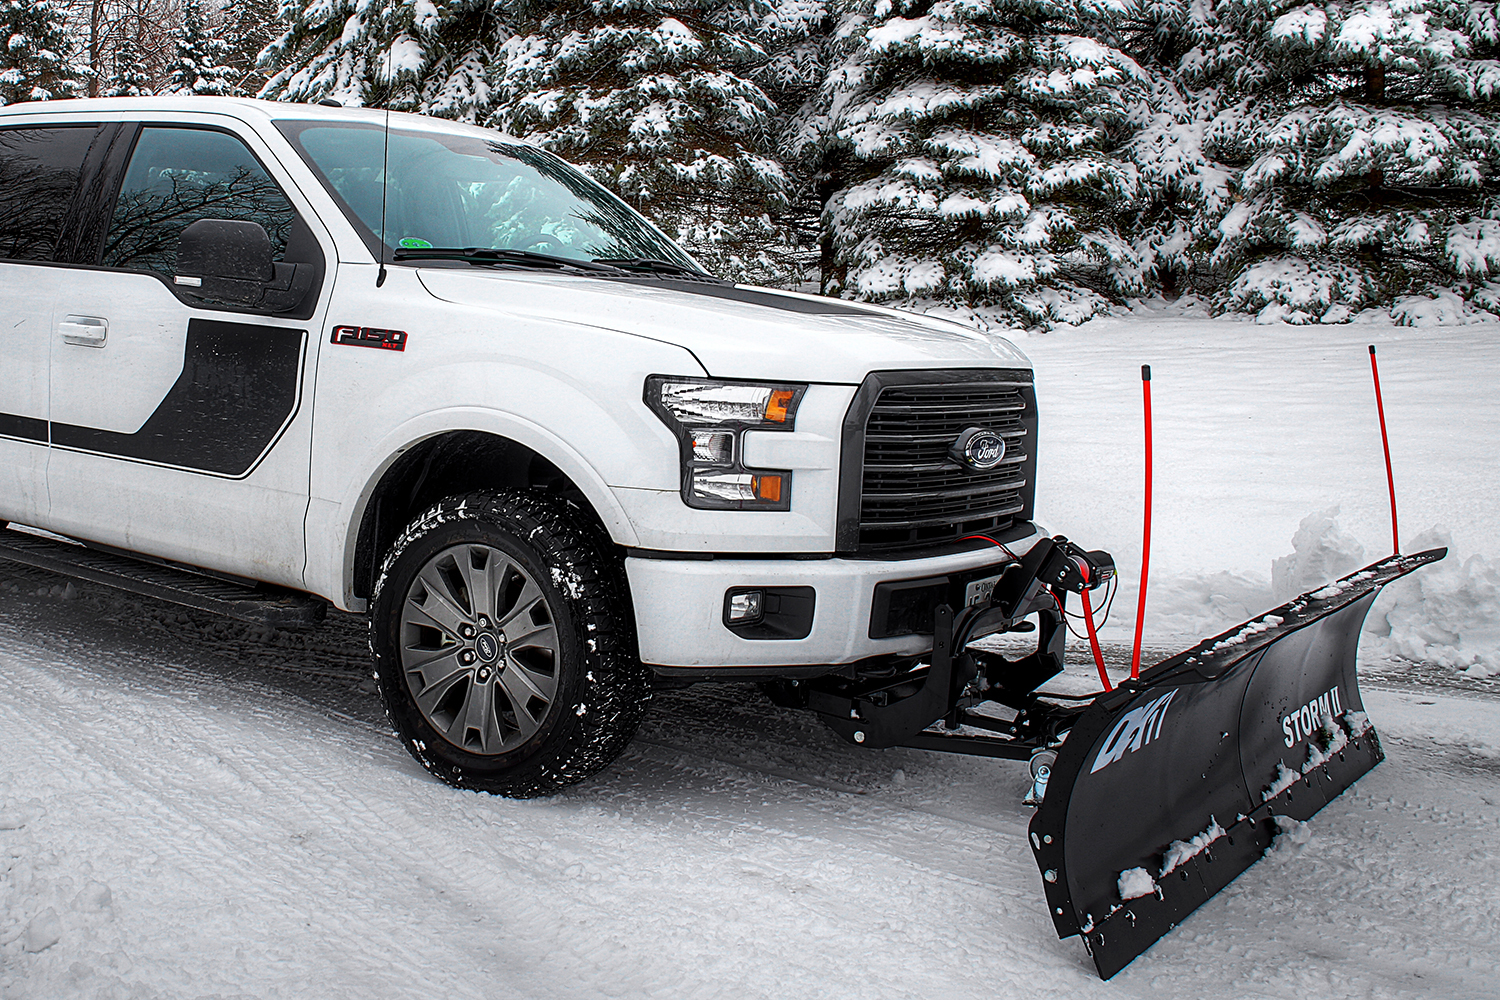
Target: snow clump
<point x="44" y="931"/>
<point x="1180" y="852"/>
<point x="1292" y="838"/>
<point x="1137" y="882"/>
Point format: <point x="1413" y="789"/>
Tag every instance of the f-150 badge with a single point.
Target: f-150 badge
<point x="364" y="336"/>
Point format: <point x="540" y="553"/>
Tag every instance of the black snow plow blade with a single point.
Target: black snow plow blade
<point x="1168" y="787"/>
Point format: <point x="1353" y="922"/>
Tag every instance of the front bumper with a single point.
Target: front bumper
<point x="679" y="606"/>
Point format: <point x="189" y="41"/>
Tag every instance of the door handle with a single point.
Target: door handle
<point x="84" y="331"/>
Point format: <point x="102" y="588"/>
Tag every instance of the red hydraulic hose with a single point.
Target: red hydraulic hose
<point x="1385" y="442"/>
<point x="1088" y="616"/>
<point x="1140" y="608"/>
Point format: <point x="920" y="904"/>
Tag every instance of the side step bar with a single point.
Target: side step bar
<point x="261" y="605"/>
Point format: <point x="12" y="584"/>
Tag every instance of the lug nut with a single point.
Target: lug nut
<point x="467" y="631"/>
<point x="467" y="656"/>
<point x="484" y="621"/>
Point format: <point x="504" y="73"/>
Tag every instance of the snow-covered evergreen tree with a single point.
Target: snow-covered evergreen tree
<point x="798" y="39"/>
<point x="201" y="62"/>
<point x="249" y="26"/>
<point x="1367" y="145"/>
<point x="976" y="147"/>
<point x="655" y="100"/>
<point x="129" y="77"/>
<point x="34" y="53"/>
<point x="428" y="56"/>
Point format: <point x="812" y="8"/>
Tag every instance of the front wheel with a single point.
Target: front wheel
<point x="503" y="644"/>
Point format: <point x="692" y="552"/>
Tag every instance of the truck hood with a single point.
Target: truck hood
<point x="735" y="331"/>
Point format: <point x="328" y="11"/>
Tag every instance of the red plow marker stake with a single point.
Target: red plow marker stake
<point x="1140" y="608"/>
<point x="1385" y="442"/>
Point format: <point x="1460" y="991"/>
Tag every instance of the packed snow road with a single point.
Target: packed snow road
<point x="192" y="808"/>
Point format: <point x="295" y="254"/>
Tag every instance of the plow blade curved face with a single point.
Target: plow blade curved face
<point x="1168" y="787"/>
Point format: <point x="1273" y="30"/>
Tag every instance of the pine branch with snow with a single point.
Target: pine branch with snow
<point x="1365" y="148"/>
<point x="426" y="56"/>
<point x="129" y="77"/>
<point x="979" y="145"/>
<point x="35" y="56"/>
<point x="249" y="26"/>
<point x="656" y="101"/>
<point x="201" y="63"/>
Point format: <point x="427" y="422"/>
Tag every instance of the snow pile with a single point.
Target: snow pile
<point x="1331" y="738"/>
<point x="1447" y="613"/>
<point x="44" y="931"/>
<point x="1321" y="553"/>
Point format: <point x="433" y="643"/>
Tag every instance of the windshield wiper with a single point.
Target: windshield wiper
<point x="653" y="265"/>
<point x="506" y="257"/>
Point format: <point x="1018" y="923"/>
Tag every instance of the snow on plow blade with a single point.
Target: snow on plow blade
<point x="1166" y="789"/>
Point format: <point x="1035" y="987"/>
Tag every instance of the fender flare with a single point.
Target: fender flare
<point x="483" y="420"/>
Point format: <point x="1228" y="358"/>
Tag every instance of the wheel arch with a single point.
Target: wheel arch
<point x="446" y="462"/>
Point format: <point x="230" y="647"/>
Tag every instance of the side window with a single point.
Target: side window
<point x="39" y="169"/>
<point x="177" y="176"/>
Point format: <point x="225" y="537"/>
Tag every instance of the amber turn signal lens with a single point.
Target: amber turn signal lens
<point x="777" y="404"/>
<point x="768" y="488"/>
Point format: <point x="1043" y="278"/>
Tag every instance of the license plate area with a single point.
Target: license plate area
<point x="906" y="607"/>
<point x="980" y="591"/>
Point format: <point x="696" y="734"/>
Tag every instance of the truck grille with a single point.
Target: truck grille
<point x="911" y="495"/>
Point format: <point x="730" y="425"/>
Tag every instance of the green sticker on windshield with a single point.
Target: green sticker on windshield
<point x="414" y="243"/>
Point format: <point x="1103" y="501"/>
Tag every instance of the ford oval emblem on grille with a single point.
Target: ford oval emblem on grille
<point x="978" y="449"/>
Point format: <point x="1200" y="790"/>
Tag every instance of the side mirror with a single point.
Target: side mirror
<point x="222" y="260"/>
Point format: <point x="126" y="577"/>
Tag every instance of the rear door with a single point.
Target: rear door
<point x="180" y="426"/>
<point x="40" y="168"/>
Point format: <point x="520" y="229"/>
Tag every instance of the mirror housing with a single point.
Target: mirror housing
<point x="227" y="261"/>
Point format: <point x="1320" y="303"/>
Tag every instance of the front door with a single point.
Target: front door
<point x="180" y="426"/>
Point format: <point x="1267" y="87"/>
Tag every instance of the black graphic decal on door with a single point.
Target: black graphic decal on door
<point x="238" y="389"/>
<point x="25" y="428"/>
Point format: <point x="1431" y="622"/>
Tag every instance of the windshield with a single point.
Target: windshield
<point x="461" y="191"/>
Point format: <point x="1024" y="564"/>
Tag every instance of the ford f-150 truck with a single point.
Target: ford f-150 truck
<point x="261" y="358"/>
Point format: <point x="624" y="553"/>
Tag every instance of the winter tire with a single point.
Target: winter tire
<point x="503" y="644"/>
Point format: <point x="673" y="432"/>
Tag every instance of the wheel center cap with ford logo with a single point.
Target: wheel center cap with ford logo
<point x="978" y="448"/>
<point x="487" y="646"/>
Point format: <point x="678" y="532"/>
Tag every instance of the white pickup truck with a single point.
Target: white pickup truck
<point x="431" y="373"/>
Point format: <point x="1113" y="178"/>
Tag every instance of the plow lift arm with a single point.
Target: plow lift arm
<point x="1154" y="796"/>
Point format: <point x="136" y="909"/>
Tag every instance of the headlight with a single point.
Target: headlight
<point x="709" y="418"/>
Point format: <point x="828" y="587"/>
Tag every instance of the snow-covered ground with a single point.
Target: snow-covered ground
<point x="191" y="808"/>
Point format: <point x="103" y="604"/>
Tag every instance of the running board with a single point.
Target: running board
<point x="262" y="605"/>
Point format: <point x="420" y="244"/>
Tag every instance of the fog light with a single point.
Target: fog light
<point x="744" y="606"/>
